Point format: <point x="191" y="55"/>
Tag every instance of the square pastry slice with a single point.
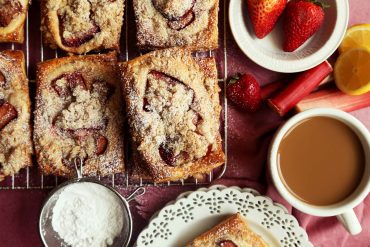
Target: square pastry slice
<point x="169" y="23"/>
<point x="15" y="111"/>
<point x="232" y="232"/>
<point x="79" y="115"/>
<point x="12" y="17"/>
<point x="80" y="26"/>
<point x="174" y="113"/>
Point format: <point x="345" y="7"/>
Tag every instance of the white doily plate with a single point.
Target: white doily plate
<point x="193" y="213"/>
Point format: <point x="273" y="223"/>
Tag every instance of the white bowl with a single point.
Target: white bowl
<point x="268" y="52"/>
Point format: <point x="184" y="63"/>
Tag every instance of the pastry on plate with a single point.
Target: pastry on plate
<point x="173" y="108"/>
<point x="13" y="14"/>
<point x="169" y="23"/>
<point x="79" y="115"/>
<point x="232" y="232"/>
<point x="15" y="111"/>
<point x="80" y="26"/>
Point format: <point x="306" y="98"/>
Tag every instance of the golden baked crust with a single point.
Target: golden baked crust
<point x="169" y="23"/>
<point x="174" y="113"/>
<point x="79" y="115"/>
<point x="12" y="17"/>
<point x="80" y="26"/>
<point x="234" y="231"/>
<point x="15" y="111"/>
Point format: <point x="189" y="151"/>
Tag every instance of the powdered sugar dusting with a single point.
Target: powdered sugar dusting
<point x="15" y="137"/>
<point x="154" y="31"/>
<point x="69" y="126"/>
<point x="173" y="107"/>
<point x="87" y="214"/>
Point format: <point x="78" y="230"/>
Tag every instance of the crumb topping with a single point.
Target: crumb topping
<point x="171" y="112"/>
<point x="9" y="10"/>
<point x="84" y="25"/>
<point x="75" y="18"/>
<point x="15" y="132"/>
<point x="85" y="112"/>
<point x="168" y="23"/>
<point x="234" y="231"/>
<point x="78" y="115"/>
<point x="173" y="9"/>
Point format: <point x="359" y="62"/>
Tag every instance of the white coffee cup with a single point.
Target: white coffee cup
<point x="342" y="210"/>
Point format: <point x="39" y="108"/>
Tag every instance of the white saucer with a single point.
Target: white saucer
<point x="268" y="52"/>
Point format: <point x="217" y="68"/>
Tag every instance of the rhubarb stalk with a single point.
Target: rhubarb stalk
<point x="302" y="86"/>
<point x="334" y="98"/>
<point x="271" y="88"/>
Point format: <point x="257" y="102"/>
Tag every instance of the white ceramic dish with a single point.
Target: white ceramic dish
<point x="268" y="52"/>
<point x="195" y="212"/>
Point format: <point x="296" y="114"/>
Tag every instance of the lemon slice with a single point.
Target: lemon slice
<point x="355" y="37"/>
<point x="352" y="71"/>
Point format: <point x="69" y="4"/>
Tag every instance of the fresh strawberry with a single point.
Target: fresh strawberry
<point x="245" y="92"/>
<point x="302" y="19"/>
<point x="264" y="15"/>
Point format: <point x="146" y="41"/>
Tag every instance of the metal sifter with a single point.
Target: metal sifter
<point x="50" y="238"/>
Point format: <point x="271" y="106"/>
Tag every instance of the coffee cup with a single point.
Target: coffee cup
<point x="343" y="209"/>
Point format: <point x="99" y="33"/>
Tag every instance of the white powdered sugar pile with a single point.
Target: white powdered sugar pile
<point x="87" y="214"/>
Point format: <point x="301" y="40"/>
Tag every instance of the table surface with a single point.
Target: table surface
<point x="248" y="138"/>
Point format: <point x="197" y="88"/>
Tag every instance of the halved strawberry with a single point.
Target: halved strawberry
<point x="264" y="14"/>
<point x="245" y="92"/>
<point x="7" y="113"/>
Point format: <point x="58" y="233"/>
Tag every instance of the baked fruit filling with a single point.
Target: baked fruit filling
<point x="9" y="10"/>
<point x="226" y="243"/>
<point x="180" y="125"/>
<point x="76" y="22"/>
<point x="3" y="83"/>
<point x="179" y="14"/>
<point x="7" y="113"/>
<point x="82" y="118"/>
<point x="7" y="110"/>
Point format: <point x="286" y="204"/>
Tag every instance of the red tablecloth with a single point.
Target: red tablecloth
<point x="248" y="139"/>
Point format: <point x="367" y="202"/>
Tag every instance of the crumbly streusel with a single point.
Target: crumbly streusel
<point x="12" y="18"/>
<point x="79" y="26"/>
<point x="15" y="136"/>
<point x="78" y="115"/>
<point x="174" y="120"/>
<point x="168" y="23"/>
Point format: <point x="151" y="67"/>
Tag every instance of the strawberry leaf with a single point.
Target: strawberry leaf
<point x="235" y="78"/>
<point x="321" y="4"/>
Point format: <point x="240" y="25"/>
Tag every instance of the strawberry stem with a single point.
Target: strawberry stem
<point x="235" y="78"/>
<point x="321" y="4"/>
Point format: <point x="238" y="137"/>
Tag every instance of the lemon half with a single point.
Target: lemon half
<point x="352" y="71"/>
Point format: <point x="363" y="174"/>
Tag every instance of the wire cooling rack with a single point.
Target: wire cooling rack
<point x="34" y="51"/>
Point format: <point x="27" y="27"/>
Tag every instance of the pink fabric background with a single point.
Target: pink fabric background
<point x="248" y="139"/>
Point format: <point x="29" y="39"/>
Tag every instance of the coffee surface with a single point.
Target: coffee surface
<point x="321" y="161"/>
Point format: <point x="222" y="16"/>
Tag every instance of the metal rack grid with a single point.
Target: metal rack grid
<point x="31" y="178"/>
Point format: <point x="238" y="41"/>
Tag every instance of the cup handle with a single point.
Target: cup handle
<point x="350" y="222"/>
